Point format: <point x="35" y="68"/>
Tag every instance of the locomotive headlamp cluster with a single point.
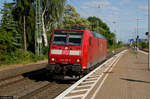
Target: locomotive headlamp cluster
<point x="76" y="60"/>
<point x="53" y="59"/>
<point x="84" y="67"/>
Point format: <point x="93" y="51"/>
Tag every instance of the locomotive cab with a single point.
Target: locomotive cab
<point x="65" y="52"/>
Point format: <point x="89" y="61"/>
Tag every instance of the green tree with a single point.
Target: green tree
<point x="143" y="44"/>
<point x="72" y="18"/>
<point x="24" y="15"/>
<point x="9" y="39"/>
<point x="97" y="25"/>
<point x="52" y="11"/>
<point x="111" y="39"/>
<point x="6" y="41"/>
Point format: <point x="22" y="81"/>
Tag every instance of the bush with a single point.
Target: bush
<point x="20" y="56"/>
<point x="5" y="59"/>
<point x="45" y="50"/>
<point x="143" y="45"/>
<point x="115" y="46"/>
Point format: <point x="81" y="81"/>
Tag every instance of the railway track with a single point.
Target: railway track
<point x="47" y="91"/>
<point x="36" y="91"/>
<point x="30" y="85"/>
<point x="18" y="78"/>
<point x="11" y="80"/>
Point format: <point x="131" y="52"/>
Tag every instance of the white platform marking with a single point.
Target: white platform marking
<point x="87" y="82"/>
<point x="70" y="97"/>
<point x="83" y="86"/>
<point x="91" y="78"/>
<point x="78" y="90"/>
<point x="94" y="76"/>
<point x="143" y="52"/>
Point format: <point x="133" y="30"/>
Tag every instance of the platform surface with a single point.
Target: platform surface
<point x="129" y="79"/>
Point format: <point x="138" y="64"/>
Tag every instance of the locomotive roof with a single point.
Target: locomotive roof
<point x="95" y="34"/>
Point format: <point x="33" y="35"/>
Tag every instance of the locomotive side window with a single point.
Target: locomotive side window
<point x="90" y="41"/>
<point x="60" y="39"/>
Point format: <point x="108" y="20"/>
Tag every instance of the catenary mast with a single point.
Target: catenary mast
<point x="38" y="30"/>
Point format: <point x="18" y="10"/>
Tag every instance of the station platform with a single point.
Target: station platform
<point x="129" y="79"/>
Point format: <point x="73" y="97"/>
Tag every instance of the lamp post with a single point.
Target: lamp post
<point x="137" y="19"/>
<point x="149" y="34"/>
<point x="114" y="22"/>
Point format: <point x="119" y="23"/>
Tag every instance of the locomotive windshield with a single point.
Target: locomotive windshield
<point x="67" y="37"/>
<point x="60" y="39"/>
<point x="75" y="39"/>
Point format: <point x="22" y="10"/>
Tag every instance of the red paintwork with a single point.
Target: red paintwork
<point x="89" y="53"/>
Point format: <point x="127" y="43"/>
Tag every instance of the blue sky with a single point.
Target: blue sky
<point x="123" y="12"/>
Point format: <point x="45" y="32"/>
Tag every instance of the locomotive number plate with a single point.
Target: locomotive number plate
<point x="65" y="60"/>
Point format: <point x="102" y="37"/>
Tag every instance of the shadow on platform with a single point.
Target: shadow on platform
<point x="141" y="63"/>
<point x="132" y="80"/>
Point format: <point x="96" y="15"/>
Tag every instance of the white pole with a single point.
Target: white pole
<point x="137" y="35"/>
<point x="149" y="33"/>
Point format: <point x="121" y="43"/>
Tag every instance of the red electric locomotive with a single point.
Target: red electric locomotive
<point x="75" y="51"/>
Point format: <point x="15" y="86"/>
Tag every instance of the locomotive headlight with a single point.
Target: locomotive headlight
<point x="84" y="67"/>
<point x="53" y="59"/>
<point x="78" y="60"/>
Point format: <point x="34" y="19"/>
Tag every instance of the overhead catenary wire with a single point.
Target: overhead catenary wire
<point x="79" y="7"/>
<point x="87" y="13"/>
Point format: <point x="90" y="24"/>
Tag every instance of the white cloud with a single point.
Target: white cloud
<point x="124" y="2"/>
<point x="143" y="7"/>
<point x="102" y="7"/>
<point x="97" y="4"/>
<point x="112" y="9"/>
<point x="115" y="9"/>
<point x="107" y="12"/>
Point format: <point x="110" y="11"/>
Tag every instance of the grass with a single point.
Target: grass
<point x="133" y="51"/>
<point x="20" y="57"/>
